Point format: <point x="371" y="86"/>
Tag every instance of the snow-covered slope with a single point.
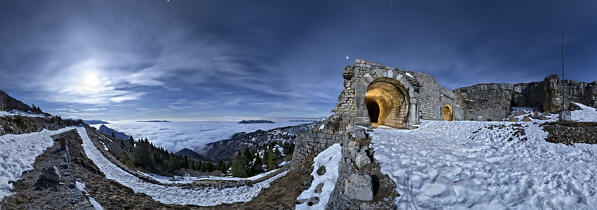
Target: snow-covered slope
<point x="459" y="165"/>
<point x="191" y="179"/>
<point x="585" y="114"/>
<point x="168" y="194"/>
<point x="17" y="154"/>
<point x="330" y="158"/>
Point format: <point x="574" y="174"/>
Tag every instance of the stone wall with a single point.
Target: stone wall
<point x="485" y="101"/>
<point x="429" y="97"/>
<point x="311" y="143"/>
<point x="447" y="97"/>
<point x="495" y="101"/>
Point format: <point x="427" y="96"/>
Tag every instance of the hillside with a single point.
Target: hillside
<point x="8" y="103"/>
<point x="227" y="149"/>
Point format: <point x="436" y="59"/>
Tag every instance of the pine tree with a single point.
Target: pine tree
<point x="221" y="166"/>
<point x="258" y="165"/>
<point x="239" y="168"/>
<point x="265" y="154"/>
<point x="271" y="159"/>
<point x="131" y="142"/>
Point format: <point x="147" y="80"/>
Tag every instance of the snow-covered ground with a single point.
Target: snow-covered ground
<point x="17" y="154"/>
<point x="175" y="136"/>
<point x="20" y="113"/>
<point x="330" y="158"/>
<point x="190" y="179"/>
<point x="172" y="195"/>
<point x="586" y="114"/>
<point x="459" y="165"/>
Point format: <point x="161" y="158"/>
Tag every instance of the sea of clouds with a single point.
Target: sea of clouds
<point x="175" y="136"/>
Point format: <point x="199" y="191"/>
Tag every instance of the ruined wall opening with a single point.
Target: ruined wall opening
<point x="387" y="103"/>
<point x="447" y="113"/>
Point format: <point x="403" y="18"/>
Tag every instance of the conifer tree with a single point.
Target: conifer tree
<point x="258" y="165"/>
<point x="239" y="168"/>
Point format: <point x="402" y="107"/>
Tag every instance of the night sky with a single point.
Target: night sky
<point x="192" y="60"/>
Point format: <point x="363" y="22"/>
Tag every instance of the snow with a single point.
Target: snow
<point x="105" y="147"/>
<point x="410" y="75"/>
<point x="20" y="113"/>
<point x="169" y="180"/>
<point x="17" y="154"/>
<point x="191" y="179"/>
<point x="586" y="114"/>
<point x="92" y="201"/>
<point x="172" y="194"/>
<point x="174" y="136"/>
<point x="461" y="165"/>
<point x="322" y="127"/>
<point x="330" y="158"/>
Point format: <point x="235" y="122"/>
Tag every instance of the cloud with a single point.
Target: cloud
<point x="175" y="136"/>
<point x="204" y="59"/>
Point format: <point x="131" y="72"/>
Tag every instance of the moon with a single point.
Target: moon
<point x="91" y="79"/>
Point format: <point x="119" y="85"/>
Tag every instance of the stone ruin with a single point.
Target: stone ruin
<point x="378" y="95"/>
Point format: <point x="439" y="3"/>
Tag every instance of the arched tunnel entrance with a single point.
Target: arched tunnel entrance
<point x="447" y="112"/>
<point x="387" y="104"/>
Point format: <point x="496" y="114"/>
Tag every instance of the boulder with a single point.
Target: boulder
<point x="356" y="133"/>
<point x="313" y="201"/>
<point x="51" y="175"/>
<point x="353" y="148"/>
<point x="362" y="159"/>
<point x="302" y="200"/>
<point x="359" y="187"/>
<point x="319" y="188"/>
<point x="321" y="170"/>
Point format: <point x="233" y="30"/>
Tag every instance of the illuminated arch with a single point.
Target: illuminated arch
<point x="447" y="113"/>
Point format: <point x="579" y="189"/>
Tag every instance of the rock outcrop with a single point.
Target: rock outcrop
<point x="495" y="101"/>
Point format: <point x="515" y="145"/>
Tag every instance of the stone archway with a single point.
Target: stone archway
<point x="387" y="97"/>
<point x="447" y="113"/>
<point x="387" y="103"/>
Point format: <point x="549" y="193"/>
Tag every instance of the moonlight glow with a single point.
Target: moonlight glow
<point x="91" y="79"/>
